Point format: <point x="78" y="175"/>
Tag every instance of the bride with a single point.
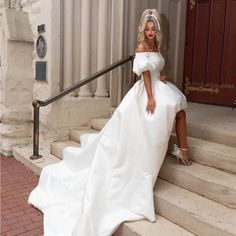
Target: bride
<point x="110" y="179"/>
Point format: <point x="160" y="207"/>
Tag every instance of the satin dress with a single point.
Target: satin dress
<point x="110" y="178"/>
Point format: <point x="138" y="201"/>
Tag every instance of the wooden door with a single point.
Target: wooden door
<point x="210" y="51"/>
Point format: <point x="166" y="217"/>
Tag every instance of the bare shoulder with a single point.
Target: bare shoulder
<point x="141" y="48"/>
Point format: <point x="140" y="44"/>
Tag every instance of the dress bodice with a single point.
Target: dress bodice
<point x="152" y="61"/>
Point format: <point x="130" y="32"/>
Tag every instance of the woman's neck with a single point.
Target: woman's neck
<point x="150" y="45"/>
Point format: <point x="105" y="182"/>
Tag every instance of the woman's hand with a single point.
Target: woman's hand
<point x="163" y="78"/>
<point x="151" y="105"/>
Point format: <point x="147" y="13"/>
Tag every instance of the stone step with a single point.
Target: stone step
<point x="212" y="123"/>
<point x="75" y="134"/>
<point x="207" y="122"/>
<point x="209" y="153"/>
<point x="98" y="123"/>
<point x="195" y="213"/>
<point x="161" y="227"/>
<point x="22" y="153"/>
<point x="213" y="134"/>
<point x="213" y="129"/>
<point x="195" y="129"/>
<point x="203" y="180"/>
<point x="56" y="148"/>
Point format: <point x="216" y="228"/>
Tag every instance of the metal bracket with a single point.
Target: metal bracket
<point x="192" y="4"/>
<point x="189" y="88"/>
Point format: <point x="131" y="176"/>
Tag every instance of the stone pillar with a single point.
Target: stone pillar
<point x="102" y="47"/>
<point x="14" y="4"/>
<point x="16" y="79"/>
<point x="85" y="46"/>
<point x="117" y="46"/>
<point x="173" y="14"/>
<point x="133" y="24"/>
<point x="76" y="42"/>
<point x="68" y="43"/>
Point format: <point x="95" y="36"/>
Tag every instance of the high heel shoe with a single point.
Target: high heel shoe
<point x="178" y="152"/>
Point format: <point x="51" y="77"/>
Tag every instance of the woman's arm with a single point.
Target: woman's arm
<point x="151" y="105"/>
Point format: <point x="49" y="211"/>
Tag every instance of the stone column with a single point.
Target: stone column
<point x="133" y="24"/>
<point x="68" y="44"/>
<point x="85" y="46"/>
<point x="117" y="46"/>
<point x="76" y="43"/>
<point x="16" y="79"/>
<point x="14" y="4"/>
<point x="2" y="3"/>
<point x="102" y="47"/>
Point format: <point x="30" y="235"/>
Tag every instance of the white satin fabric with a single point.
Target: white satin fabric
<point x="110" y="178"/>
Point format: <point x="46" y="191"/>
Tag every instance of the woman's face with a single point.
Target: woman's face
<point x="150" y="30"/>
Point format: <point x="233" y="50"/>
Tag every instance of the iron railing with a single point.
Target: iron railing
<point x="37" y="103"/>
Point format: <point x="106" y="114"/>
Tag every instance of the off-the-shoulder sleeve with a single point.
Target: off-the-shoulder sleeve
<point x="142" y="63"/>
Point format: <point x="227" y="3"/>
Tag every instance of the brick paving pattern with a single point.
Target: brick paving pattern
<point x="17" y="217"/>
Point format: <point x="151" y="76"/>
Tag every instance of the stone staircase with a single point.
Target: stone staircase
<point x="190" y="200"/>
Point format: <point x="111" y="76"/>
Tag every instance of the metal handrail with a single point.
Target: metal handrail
<point x="37" y="103"/>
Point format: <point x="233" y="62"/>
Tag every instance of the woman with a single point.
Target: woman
<point x="149" y="39"/>
<point x="110" y="179"/>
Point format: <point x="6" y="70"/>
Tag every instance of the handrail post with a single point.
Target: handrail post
<point x="36" y="105"/>
<point x="133" y="75"/>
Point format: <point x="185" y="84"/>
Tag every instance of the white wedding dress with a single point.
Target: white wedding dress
<point x="110" y="179"/>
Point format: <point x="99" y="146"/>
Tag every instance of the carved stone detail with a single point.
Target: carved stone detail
<point x="15" y="4"/>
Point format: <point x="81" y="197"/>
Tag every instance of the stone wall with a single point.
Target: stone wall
<point x="16" y="79"/>
<point x="56" y="119"/>
<point x="19" y="88"/>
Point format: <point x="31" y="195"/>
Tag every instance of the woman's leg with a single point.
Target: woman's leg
<point x="181" y="133"/>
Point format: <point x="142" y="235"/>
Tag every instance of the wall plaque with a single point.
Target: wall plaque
<point x="41" y="46"/>
<point x="41" y="28"/>
<point x="41" y="69"/>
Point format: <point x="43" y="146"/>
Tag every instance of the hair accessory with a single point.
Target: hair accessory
<point x="150" y="16"/>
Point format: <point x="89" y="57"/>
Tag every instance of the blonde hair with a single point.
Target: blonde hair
<point x="150" y="15"/>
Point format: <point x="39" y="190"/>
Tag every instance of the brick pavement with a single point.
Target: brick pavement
<point x="17" y="217"/>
